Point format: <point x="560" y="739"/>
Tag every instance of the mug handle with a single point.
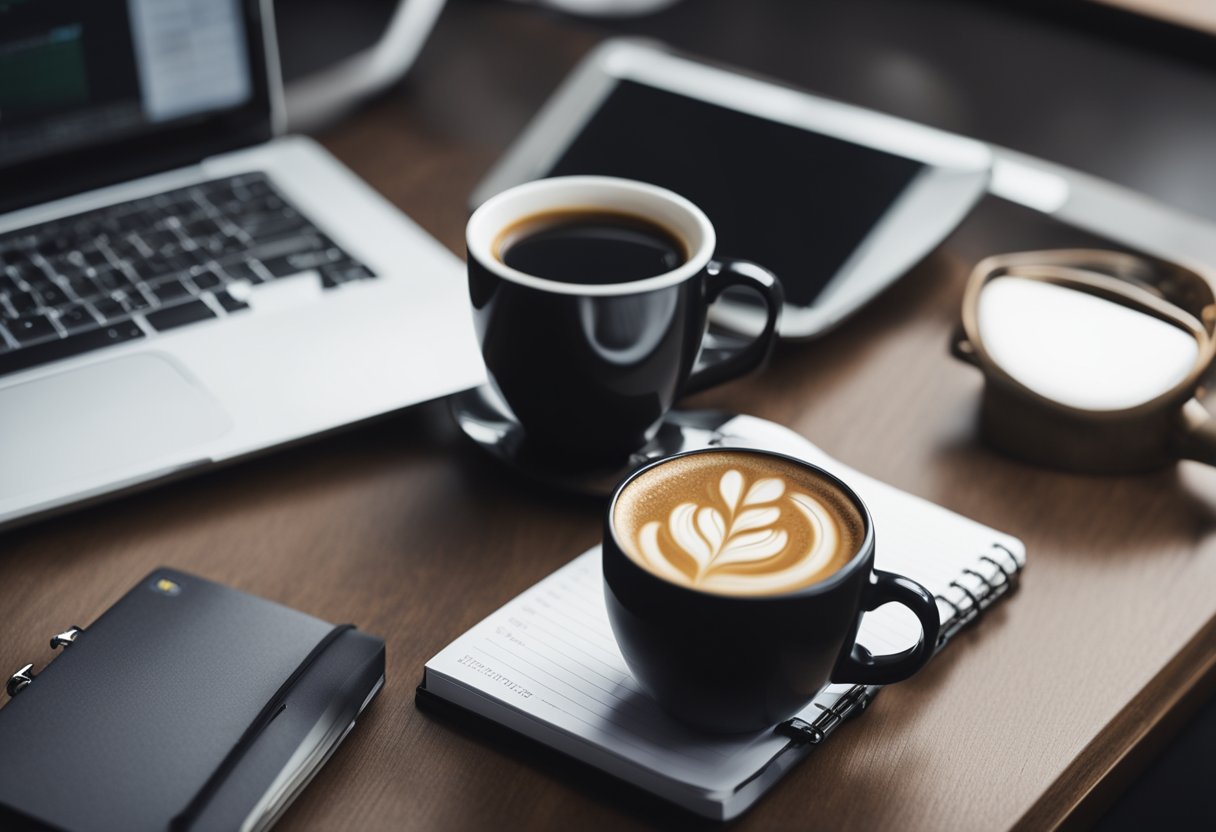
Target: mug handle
<point x="1198" y="441"/>
<point x="723" y="274"/>
<point x="860" y="667"/>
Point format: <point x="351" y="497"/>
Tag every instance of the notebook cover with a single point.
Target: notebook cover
<point x="123" y="729"/>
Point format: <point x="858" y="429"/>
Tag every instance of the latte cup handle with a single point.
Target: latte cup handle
<point x="723" y="274"/>
<point x="859" y="666"/>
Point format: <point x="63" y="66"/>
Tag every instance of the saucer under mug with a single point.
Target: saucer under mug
<point x="483" y="418"/>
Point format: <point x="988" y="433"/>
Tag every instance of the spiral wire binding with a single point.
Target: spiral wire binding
<point x="964" y="615"/>
<point x="802" y="732"/>
<point x="855" y="699"/>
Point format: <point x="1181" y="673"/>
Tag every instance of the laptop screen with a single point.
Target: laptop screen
<point x="77" y="72"/>
<point x="85" y="84"/>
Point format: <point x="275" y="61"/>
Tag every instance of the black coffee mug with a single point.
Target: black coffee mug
<point x="590" y="369"/>
<point x="734" y="663"/>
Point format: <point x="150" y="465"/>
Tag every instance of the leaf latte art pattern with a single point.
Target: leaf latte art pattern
<point x="756" y="538"/>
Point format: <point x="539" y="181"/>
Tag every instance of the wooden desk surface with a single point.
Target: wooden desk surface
<point x="403" y="528"/>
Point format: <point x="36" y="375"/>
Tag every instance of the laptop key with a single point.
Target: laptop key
<point x="180" y="315"/>
<point x="242" y="270"/>
<point x="51" y="294"/>
<point x="283" y="246"/>
<point x="302" y="261"/>
<point x="280" y="266"/>
<point x="26" y="272"/>
<point x="344" y="272"/>
<point x="205" y="279"/>
<point x="158" y="266"/>
<point x="109" y="309"/>
<point x="275" y="225"/>
<point x="134" y="300"/>
<point x="112" y="280"/>
<point x="22" y="302"/>
<point x="217" y="244"/>
<point x="76" y="318"/>
<point x="316" y="259"/>
<point x="82" y="286"/>
<point x="160" y="239"/>
<point x="23" y="359"/>
<point x="37" y="285"/>
<point x="171" y="290"/>
<point x="201" y="227"/>
<point x="230" y="303"/>
<point x="31" y="328"/>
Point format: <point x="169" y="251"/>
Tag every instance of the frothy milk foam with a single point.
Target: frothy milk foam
<point x="737" y="523"/>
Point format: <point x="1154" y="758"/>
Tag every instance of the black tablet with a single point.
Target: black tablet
<point x="839" y="201"/>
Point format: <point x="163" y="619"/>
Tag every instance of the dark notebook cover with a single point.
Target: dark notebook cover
<point x="125" y="728"/>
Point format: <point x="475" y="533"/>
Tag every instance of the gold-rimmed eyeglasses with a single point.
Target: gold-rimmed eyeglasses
<point x="1093" y="360"/>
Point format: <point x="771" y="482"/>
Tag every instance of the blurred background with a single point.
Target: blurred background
<point x="1121" y="89"/>
<point x="1122" y="94"/>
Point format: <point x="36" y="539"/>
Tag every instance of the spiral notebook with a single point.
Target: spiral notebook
<point x="545" y="665"/>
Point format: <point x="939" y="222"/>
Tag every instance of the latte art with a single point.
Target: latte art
<point x="723" y="523"/>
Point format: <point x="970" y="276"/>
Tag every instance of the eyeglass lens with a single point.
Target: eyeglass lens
<point x="1079" y="349"/>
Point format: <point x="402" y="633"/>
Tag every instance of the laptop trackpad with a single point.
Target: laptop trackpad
<point x="106" y="417"/>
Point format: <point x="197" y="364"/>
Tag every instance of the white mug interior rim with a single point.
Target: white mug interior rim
<point x="664" y="207"/>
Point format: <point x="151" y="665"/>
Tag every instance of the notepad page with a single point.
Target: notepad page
<point x="549" y="654"/>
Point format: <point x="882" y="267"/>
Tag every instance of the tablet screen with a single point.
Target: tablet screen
<point x="794" y="201"/>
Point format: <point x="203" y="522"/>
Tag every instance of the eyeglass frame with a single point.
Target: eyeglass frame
<point x="1026" y="424"/>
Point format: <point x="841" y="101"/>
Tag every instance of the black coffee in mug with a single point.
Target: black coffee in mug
<point x="590" y="297"/>
<point x="590" y="246"/>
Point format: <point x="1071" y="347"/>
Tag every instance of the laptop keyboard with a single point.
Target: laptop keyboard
<point x="153" y="264"/>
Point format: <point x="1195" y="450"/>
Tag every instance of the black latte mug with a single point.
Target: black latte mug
<point x="736" y="580"/>
<point x="590" y="298"/>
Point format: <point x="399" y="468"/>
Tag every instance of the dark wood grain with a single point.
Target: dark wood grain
<point x="402" y="528"/>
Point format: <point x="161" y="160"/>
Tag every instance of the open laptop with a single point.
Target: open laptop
<point x="180" y="285"/>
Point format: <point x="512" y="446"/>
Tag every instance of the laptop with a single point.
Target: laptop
<point x="181" y="285"/>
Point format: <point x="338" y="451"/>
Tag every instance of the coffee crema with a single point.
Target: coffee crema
<point x="737" y="523"/>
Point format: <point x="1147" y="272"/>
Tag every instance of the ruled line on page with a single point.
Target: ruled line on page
<point x="619" y="668"/>
<point x="614" y="682"/>
<point x="573" y="699"/>
<point x="597" y="635"/>
<point x="518" y="639"/>
<point x="642" y="732"/>
<point x="584" y="690"/>
<point x="524" y="614"/>
<point x="616" y="738"/>
<point x="593" y="623"/>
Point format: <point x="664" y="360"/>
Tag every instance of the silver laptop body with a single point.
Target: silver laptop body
<point x="271" y="351"/>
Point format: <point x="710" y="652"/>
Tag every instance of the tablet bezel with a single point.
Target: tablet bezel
<point x="955" y="175"/>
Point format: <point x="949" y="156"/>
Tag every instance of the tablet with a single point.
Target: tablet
<point x="837" y="200"/>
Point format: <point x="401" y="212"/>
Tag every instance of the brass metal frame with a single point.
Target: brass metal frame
<point x="1026" y="424"/>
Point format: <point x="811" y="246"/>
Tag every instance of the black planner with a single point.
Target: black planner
<point x="186" y="705"/>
